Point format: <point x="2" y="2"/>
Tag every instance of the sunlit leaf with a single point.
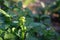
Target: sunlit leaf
<point x="1" y="38"/>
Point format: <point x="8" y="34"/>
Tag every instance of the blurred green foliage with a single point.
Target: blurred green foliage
<point x="17" y="23"/>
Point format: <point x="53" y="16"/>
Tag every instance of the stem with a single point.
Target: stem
<point x="22" y="33"/>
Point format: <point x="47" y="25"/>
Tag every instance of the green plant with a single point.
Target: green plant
<point x="18" y="24"/>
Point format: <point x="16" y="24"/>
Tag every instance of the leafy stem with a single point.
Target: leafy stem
<point x="23" y="27"/>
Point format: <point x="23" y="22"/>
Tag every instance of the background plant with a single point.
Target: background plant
<point x="17" y="23"/>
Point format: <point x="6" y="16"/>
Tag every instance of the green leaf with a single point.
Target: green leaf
<point x="1" y="31"/>
<point x="20" y="4"/>
<point x="27" y="2"/>
<point x="9" y="36"/>
<point x="1" y="38"/>
<point x="4" y="13"/>
<point x="6" y="3"/>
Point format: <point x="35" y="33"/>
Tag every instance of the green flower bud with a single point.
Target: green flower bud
<point x="22" y="19"/>
<point x="13" y="29"/>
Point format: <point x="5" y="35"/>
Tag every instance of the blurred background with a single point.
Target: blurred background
<point x="29" y="19"/>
